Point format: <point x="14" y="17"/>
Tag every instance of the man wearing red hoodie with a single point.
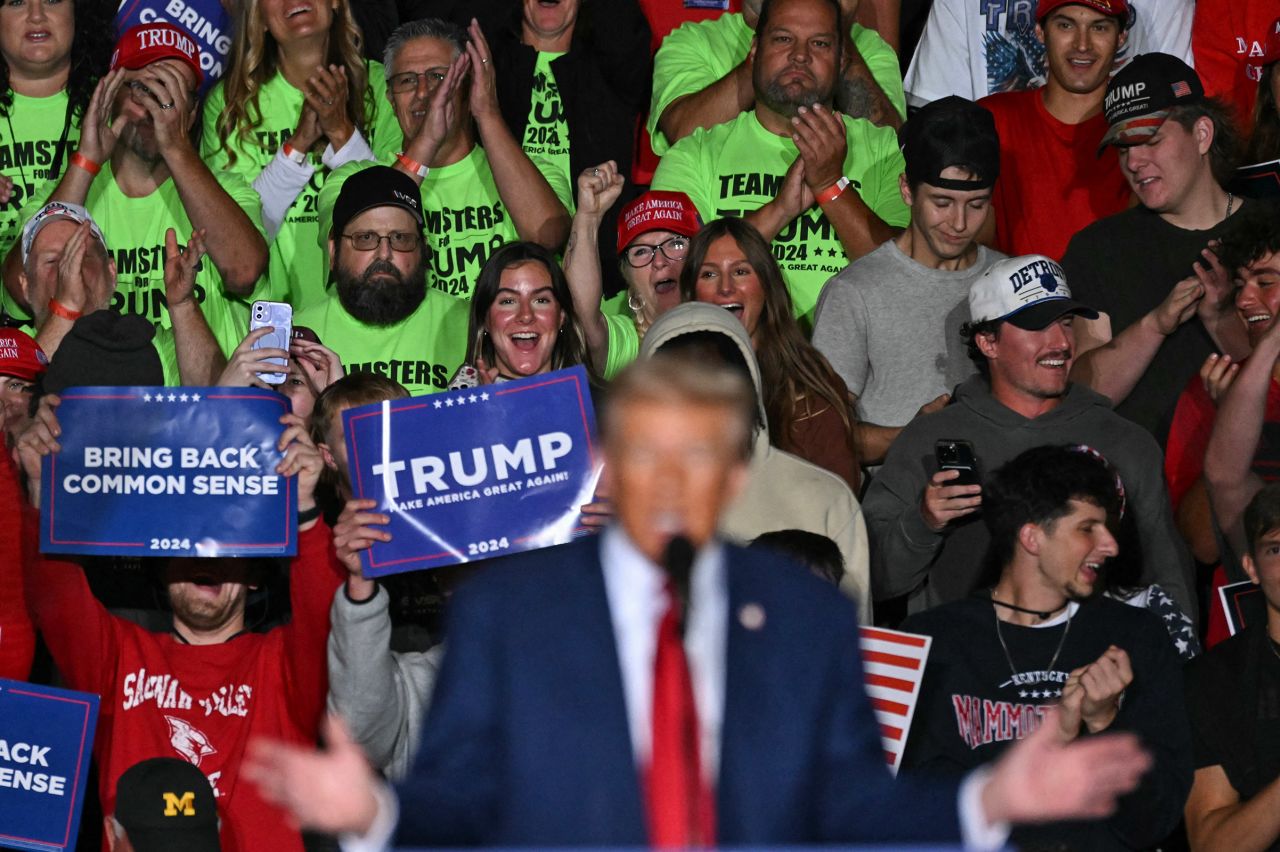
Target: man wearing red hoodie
<point x="21" y="363"/>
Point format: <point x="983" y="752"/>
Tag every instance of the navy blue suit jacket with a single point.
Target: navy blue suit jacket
<point x="527" y="739"/>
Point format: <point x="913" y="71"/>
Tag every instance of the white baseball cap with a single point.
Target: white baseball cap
<point x="1029" y="291"/>
<point x="57" y="211"/>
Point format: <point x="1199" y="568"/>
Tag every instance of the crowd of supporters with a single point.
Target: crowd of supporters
<point x="1004" y="279"/>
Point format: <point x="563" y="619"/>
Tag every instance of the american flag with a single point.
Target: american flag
<point x="893" y="666"/>
<point x="1182" y="89"/>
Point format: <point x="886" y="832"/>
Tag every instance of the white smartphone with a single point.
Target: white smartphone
<point x="279" y="316"/>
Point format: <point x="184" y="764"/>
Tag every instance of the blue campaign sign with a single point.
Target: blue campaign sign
<point x="475" y="473"/>
<point x="46" y="737"/>
<point x="169" y="472"/>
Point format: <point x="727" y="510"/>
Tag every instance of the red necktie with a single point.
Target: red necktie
<point x="681" y="809"/>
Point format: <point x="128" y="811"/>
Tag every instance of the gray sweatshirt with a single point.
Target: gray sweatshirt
<point x="891" y="328"/>
<point x="935" y="568"/>
<point x="382" y="695"/>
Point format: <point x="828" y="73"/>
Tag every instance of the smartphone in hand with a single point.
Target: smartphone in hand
<point x="279" y="316"/>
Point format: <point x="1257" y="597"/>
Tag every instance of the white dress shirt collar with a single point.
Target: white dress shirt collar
<point x="634" y="587"/>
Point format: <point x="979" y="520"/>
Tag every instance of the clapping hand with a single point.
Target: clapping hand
<point x="181" y="265"/>
<point x="325" y="92"/>
<point x="819" y="134"/>
<point x="484" y="84"/>
<point x="98" y="132"/>
<point x="1092" y="693"/>
<point x="75" y="290"/>
<point x="1179" y="306"/>
<point x="441" y="113"/>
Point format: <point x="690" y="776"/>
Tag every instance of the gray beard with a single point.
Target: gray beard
<point x="776" y="98"/>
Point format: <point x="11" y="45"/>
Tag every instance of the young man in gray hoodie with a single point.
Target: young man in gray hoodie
<point x="928" y="539"/>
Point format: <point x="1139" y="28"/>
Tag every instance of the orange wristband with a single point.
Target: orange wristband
<point x="61" y="310"/>
<point x="78" y="159"/>
<point x="412" y="165"/>
<point x="834" y="191"/>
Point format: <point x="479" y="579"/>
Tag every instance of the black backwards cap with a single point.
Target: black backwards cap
<point x="950" y="132"/>
<point x="376" y="186"/>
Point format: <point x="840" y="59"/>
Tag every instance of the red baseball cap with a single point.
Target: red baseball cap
<point x="1118" y="8"/>
<point x="658" y="210"/>
<point x="144" y="44"/>
<point x="1272" y="52"/>
<point x="20" y="356"/>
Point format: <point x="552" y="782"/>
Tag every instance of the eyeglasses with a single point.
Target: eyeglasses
<point x="407" y="81"/>
<point x="371" y="240"/>
<point x="674" y="248"/>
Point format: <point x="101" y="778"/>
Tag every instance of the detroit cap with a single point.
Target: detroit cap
<point x="1029" y="291"/>
<point x="1140" y="96"/>
<point x="165" y="803"/>
<point x="376" y="186"/>
<point x="141" y="45"/>
<point x="950" y="132"/>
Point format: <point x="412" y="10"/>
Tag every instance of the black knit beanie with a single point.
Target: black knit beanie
<point x="105" y="348"/>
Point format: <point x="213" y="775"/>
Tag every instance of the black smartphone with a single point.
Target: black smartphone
<point x="958" y="455"/>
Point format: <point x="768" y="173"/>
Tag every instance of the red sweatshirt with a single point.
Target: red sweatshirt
<point x="164" y="698"/>
<point x="17" y="637"/>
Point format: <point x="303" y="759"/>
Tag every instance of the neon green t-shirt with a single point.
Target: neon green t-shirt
<point x="28" y="146"/>
<point x="546" y="136"/>
<point x="421" y="352"/>
<point x="698" y="54"/>
<point x="296" y="272"/>
<point x="135" y="229"/>
<point x="624" y="344"/>
<point x="168" y="352"/>
<point x="616" y="304"/>
<point x="737" y="167"/>
<point x="466" y="220"/>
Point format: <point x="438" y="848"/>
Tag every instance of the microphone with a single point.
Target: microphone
<point x="678" y="561"/>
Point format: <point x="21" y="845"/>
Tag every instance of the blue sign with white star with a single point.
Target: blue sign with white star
<point x="475" y="473"/>
<point x="168" y="472"/>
